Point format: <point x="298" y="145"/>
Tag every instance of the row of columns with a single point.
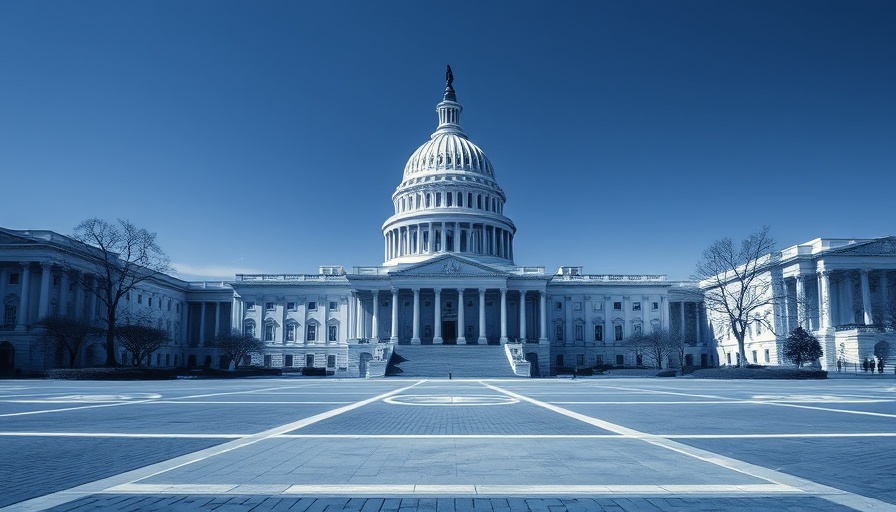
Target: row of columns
<point x="43" y="309"/>
<point x="359" y="326"/>
<point x="825" y="302"/>
<point x="479" y="238"/>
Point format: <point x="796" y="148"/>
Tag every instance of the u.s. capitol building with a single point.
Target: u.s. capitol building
<point x="448" y="278"/>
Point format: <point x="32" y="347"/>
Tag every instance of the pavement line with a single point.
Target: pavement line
<point x="829" y="409"/>
<point x="129" y="477"/>
<point x="716" y="402"/>
<point x="727" y="490"/>
<point x="449" y="436"/>
<point x="832" y="494"/>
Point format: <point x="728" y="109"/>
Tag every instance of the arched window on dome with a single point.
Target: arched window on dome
<point x="428" y="200"/>
<point x="463" y="240"/>
<point x="479" y="201"/>
<point x="494" y="204"/>
<point x="469" y="199"/>
<point x="438" y="199"/>
<point x="460" y="199"/>
<point x="449" y="199"/>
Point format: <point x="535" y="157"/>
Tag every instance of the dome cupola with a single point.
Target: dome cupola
<point x="448" y="200"/>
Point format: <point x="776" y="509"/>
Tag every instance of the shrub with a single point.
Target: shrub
<point x="112" y="373"/>
<point x="759" y="373"/>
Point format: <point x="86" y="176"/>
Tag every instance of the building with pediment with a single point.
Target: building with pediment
<point x="449" y="282"/>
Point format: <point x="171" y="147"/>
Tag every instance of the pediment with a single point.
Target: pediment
<point x="449" y="266"/>
<point x="879" y="247"/>
<point x="7" y="238"/>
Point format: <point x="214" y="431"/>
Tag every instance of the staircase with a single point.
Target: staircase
<point x="459" y="360"/>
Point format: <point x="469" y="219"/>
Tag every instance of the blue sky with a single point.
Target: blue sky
<point x="628" y="135"/>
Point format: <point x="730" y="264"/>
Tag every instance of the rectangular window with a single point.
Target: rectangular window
<point x="598" y="333"/>
<point x="331" y="333"/>
<point x="636" y="306"/>
<point x="559" y="332"/>
<point x="559" y="359"/>
<point x="755" y="358"/>
<point x="13" y="278"/>
<point x="620" y="360"/>
<point x="150" y="302"/>
<point x="169" y="305"/>
<point x="617" y="329"/>
<point x="250" y="330"/>
<point x="600" y="359"/>
<point x="9" y="315"/>
<point x="309" y="361"/>
<point x="331" y="361"/>
<point x="334" y="305"/>
<point x="654" y="306"/>
<point x="139" y="299"/>
<point x="269" y="332"/>
<point x="580" y="359"/>
<point x="598" y="306"/>
<point x="312" y="306"/>
<point x="558" y="305"/>
<point x="291" y="306"/>
<point x="767" y="356"/>
<point x="287" y="360"/>
<point x="290" y="333"/>
<point x="250" y="305"/>
<point x="268" y="306"/>
<point x="312" y="333"/>
<point x="617" y="306"/>
<point x="580" y="332"/>
<point x="177" y="307"/>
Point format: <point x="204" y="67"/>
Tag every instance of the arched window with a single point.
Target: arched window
<point x="460" y="199"/>
<point x="10" y="310"/>
<point x="469" y="199"/>
<point x="249" y="328"/>
<point x="479" y="201"/>
<point x="428" y="200"/>
<point x="449" y="199"/>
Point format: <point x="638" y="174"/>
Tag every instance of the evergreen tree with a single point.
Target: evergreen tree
<point x="801" y="347"/>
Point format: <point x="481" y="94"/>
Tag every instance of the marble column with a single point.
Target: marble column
<point x="94" y="285"/>
<point x="63" y="293"/>
<point x="217" y="328"/>
<point x="503" y="339"/>
<point x="543" y="318"/>
<point x="43" y="307"/>
<point x="824" y="300"/>
<point x="522" y="316"/>
<point x="801" y="306"/>
<point x="850" y="301"/>
<point x="374" y="320"/>
<point x="437" y="318"/>
<point x="79" y="296"/>
<point x="867" y="315"/>
<point x="461" y="327"/>
<point x="444" y="239"/>
<point x="394" y="337"/>
<point x="202" y="324"/>
<point x="884" y="297"/>
<point x="25" y="299"/>
<point x="415" y="340"/>
<point x="482" y="339"/>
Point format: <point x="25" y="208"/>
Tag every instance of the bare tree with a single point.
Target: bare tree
<point x="655" y="347"/>
<point x="66" y="334"/>
<point x="122" y="257"/>
<point x="238" y="345"/>
<point x="140" y="338"/>
<point x="736" y="282"/>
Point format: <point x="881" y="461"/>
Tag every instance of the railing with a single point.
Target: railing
<point x="863" y="328"/>
<point x="288" y="277"/>
<point x="612" y="278"/>
<point x="371" y="271"/>
<point x="208" y="285"/>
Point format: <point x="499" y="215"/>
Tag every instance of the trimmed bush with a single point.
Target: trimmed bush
<point x="759" y="373"/>
<point x="112" y="373"/>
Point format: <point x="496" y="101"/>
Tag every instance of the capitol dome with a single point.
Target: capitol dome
<point x="448" y="200"/>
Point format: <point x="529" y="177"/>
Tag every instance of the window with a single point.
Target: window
<point x="10" y="313"/>
<point x="755" y="359"/>
<point x="169" y="305"/>
<point x="139" y="299"/>
<point x="558" y="305"/>
<point x="559" y="359"/>
<point x="598" y="306"/>
<point x="559" y="332"/>
<point x="309" y="361"/>
<point x="580" y="359"/>
<point x="13" y="278"/>
<point x="128" y="297"/>
<point x="312" y="333"/>
<point x="149" y="302"/>
<point x="331" y="361"/>
<point x="580" y="332"/>
<point x="268" y="306"/>
<point x="767" y="356"/>
<point x="334" y="305"/>
<point x="598" y="333"/>
<point x="312" y="306"/>
<point x="577" y="306"/>
<point x="249" y="329"/>
<point x="177" y="307"/>
<point x="600" y="359"/>
<point x="287" y="360"/>
<point x="636" y="328"/>
<point x="291" y="306"/>
<point x="332" y="332"/>
<point x="290" y="333"/>
<point x="617" y="330"/>
<point x="250" y="305"/>
<point x="620" y="360"/>
<point x="617" y="306"/>
<point x="269" y="332"/>
<point x="636" y="306"/>
<point x="728" y="357"/>
<point x="654" y="306"/>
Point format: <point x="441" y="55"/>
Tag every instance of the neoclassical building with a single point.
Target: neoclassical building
<point x="448" y="278"/>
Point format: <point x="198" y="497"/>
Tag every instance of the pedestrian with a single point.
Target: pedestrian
<point x="839" y="365"/>
<point x="880" y="366"/>
<point x="865" y="365"/>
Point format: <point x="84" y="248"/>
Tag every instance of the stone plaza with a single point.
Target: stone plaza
<point x="623" y="444"/>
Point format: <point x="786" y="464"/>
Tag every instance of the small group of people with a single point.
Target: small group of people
<point x="870" y="365"/>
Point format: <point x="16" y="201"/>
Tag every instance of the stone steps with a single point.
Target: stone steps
<point x="458" y="360"/>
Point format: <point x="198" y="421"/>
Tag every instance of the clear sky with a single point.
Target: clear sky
<point x="268" y="136"/>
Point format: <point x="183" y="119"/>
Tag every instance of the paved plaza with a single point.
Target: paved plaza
<point x="626" y="444"/>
